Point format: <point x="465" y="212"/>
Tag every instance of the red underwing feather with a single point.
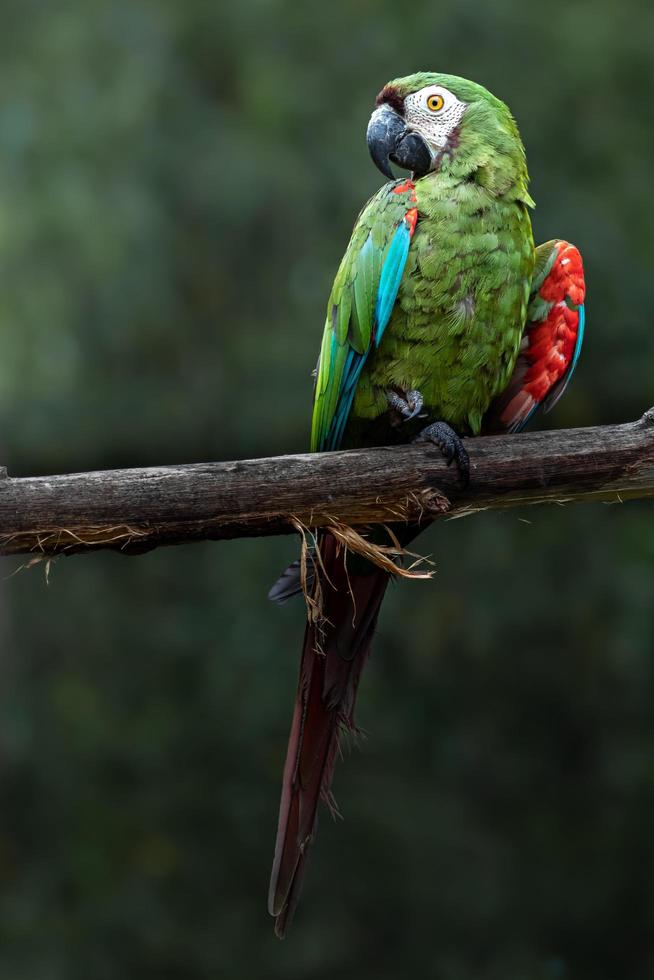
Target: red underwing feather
<point x="549" y="345"/>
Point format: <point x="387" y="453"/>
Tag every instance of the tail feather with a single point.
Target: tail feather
<point x="334" y="652"/>
<point x="289" y="584"/>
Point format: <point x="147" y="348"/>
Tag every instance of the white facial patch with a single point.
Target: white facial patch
<point x="434" y="112"/>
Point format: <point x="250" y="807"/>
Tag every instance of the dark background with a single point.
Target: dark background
<point x="178" y="181"/>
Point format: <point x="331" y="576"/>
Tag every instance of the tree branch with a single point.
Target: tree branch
<point x="135" y="510"/>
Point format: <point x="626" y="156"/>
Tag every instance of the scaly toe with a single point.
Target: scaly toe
<point x="397" y="403"/>
<point x="451" y="446"/>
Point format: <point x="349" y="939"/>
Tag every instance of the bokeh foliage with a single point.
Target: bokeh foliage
<point x="177" y="184"/>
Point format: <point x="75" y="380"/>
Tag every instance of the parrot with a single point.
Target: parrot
<point x="444" y="311"/>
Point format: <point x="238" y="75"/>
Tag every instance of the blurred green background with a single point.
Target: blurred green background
<point x="177" y="185"/>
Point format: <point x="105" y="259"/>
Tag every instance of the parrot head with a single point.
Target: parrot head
<point x="428" y="122"/>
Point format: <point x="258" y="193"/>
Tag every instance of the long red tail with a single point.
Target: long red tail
<point x="333" y="656"/>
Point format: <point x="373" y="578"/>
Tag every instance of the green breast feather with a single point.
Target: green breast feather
<point x="457" y="324"/>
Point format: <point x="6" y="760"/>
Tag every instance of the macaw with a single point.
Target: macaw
<point x="441" y="309"/>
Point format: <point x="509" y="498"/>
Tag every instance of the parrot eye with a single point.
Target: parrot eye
<point x="435" y="103"/>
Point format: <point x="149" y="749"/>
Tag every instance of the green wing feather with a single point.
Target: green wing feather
<point x="351" y="308"/>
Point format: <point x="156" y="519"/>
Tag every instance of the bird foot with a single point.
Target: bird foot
<point x="451" y="446"/>
<point x="408" y="405"/>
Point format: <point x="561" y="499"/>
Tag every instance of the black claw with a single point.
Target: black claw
<point x="451" y="446"/>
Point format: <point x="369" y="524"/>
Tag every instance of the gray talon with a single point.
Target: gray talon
<point x="414" y="402"/>
<point x="408" y="406"/>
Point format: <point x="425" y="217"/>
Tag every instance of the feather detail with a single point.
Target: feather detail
<point x="361" y="305"/>
<point x="392" y="272"/>
<point x="289" y="583"/>
<point x="334" y="652"/>
<point x="551" y="342"/>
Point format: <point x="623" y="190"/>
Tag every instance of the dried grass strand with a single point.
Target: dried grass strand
<point x="383" y="556"/>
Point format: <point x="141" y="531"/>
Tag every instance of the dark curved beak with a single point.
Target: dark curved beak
<point x="389" y="140"/>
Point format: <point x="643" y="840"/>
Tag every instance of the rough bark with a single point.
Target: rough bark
<point x="138" y="509"/>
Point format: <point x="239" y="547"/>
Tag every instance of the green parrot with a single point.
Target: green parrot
<point x="441" y="311"/>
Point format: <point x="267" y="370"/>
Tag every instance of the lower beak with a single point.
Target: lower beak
<point x="389" y="140"/>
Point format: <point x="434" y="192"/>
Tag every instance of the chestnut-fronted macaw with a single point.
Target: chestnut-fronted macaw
<point x="441" y="310"/>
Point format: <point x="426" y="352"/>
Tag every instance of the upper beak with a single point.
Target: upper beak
<point x="389" y="139"/>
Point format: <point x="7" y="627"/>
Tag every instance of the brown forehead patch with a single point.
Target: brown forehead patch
<point x="390" y="95"/>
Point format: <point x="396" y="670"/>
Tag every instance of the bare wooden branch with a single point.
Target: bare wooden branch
<point x="139" y="509"/>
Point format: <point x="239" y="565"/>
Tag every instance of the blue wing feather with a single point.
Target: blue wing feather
<point x="392" y="271"/>
<point x="391" y="276"/>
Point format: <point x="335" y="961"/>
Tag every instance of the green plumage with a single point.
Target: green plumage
<point x="457" y="323"/>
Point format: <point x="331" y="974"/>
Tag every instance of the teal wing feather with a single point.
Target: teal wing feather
<point x="360" y="305"/>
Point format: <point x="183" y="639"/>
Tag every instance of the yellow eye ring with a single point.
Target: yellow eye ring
<point x="435" y="103"/>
